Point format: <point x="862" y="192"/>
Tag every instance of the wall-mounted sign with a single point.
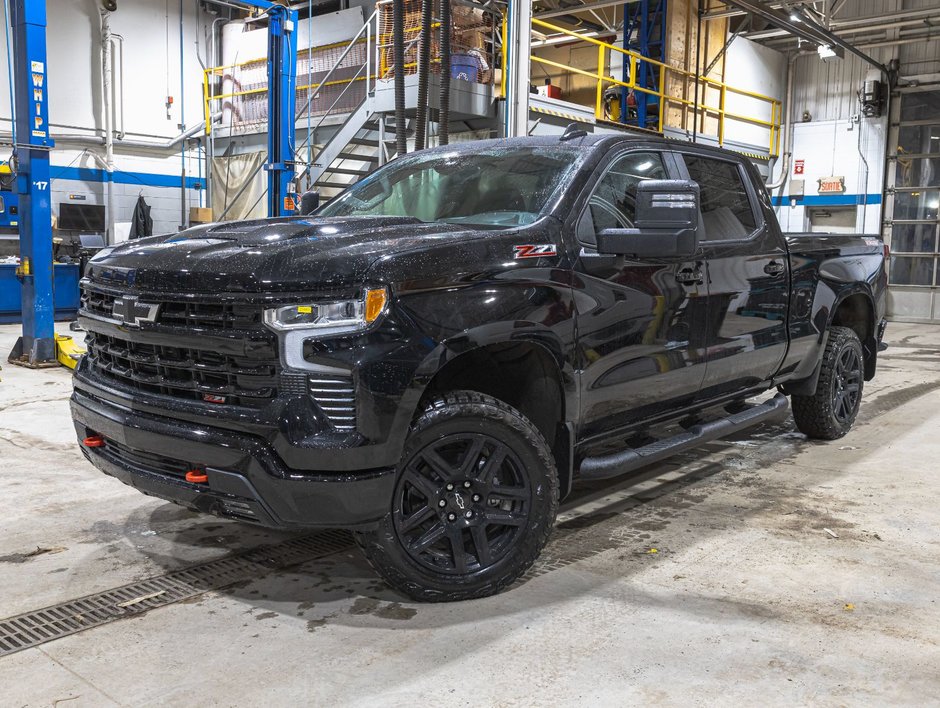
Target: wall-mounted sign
<point x="798" y="167"/>
<point x="78" y="197"/>
<point x="832" y="185"/>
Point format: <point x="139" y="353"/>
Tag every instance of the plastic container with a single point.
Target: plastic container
<point x="465" y="67"/>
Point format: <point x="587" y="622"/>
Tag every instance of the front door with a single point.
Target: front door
<point x="640" y="323"/>
<point x="748" y="278"/>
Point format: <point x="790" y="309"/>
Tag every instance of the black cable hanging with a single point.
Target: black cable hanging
<point x="424" y="67"/>
<point x="398" y="52"/>
<point x="443" y="119"/>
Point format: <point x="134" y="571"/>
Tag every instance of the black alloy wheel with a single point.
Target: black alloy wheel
<point x="474" y="502"/>
<point x="461" y="503"/>
<point x="846" y="385"/>
<point x="830" y="411"/>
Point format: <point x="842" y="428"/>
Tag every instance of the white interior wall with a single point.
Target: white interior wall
<point x="832" y="149"/>
<point x="828" y="136"/>
<point x="325" y="29"/>
<point x="752" y="67"/>
<point x="151" y="68"/>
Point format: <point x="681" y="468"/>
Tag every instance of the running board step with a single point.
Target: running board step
<point x="618" y="463"/>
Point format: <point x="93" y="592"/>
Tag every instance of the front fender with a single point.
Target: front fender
<point x="533" y="307"/>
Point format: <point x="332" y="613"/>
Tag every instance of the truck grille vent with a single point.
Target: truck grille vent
<point x="183" y="372"/>
<point x="293" y="383"/>
<point x="149" y="461"/>
<point x="202" y="315"/>
<point x="336" y="397"/>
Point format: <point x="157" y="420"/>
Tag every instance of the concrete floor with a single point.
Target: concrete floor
<point x="746" y="599"/>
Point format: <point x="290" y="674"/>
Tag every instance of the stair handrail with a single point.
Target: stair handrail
<point x="328" y="110"/>
<point x="367" y="28"/>
<point x="367" y="66"/>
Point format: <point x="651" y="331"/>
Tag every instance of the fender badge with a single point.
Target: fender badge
<point x="534" y="250"/>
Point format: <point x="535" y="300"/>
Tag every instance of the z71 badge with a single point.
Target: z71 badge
<point x="534" y="250"/>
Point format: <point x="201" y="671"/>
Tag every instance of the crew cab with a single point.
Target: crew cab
<point x="436" y="356"/>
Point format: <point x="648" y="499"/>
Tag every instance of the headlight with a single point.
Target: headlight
<point x="341" y="316"/>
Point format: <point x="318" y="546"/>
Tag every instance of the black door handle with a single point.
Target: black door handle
<point x="690" y="276"/>
<point x="774" y="268"/>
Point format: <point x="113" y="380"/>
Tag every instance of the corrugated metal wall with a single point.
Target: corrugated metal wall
<point x="827" y="89"/>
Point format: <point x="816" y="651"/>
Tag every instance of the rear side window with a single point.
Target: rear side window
<point x="727" y="212"/>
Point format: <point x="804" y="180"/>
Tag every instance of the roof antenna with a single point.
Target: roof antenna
<point x="573" y="131"/>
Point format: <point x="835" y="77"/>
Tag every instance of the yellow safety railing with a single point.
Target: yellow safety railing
<point x="602" y="80"/>
<point x="382" y="42"/>
<point x="219" y="72"/>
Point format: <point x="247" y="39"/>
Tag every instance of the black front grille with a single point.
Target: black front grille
<point x="148" y="461"/>
<point x="184" y="372"/>
<point x="204" y="315"/>
<point x="98" y="303"/>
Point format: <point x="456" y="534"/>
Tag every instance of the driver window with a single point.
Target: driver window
<point x="613" y="203"/>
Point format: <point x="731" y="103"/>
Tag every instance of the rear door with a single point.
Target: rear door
<point x="640" y="333"/>
<point x="748" y="277"/>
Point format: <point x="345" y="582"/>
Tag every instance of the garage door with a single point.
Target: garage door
<point x="912" y="205"/>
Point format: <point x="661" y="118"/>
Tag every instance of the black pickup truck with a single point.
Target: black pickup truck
<point x="435" y="356"/>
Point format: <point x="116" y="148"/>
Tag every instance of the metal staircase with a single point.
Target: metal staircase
<point x="365" y="139"/>
<point x="357" y="148"/>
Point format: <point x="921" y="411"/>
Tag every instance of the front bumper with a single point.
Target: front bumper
<point x="246" y="479"/>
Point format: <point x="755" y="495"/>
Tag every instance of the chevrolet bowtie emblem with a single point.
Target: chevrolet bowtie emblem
<point x="131" y="312"/>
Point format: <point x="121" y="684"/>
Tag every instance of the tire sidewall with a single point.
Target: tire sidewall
<point x="511" y="428"/>
<point x="845" y="343"/>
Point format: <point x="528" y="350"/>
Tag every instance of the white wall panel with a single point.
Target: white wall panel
<point x="752" y="67"/>
<point x="151" y="32"/>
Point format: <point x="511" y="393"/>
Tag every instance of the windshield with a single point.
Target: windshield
<point x="495" y="187"/>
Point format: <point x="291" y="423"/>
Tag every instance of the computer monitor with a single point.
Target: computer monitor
<point x="81" y="217"/>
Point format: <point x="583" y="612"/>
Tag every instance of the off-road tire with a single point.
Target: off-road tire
<point x="450" y="416"/>
<point x="820" y="416"/>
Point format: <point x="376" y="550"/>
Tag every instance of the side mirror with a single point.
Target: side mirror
<point x="667" y="222"/>
<point x="309" y="202"/>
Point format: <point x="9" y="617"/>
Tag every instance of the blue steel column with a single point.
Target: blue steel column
<point x="282" y="83"/>
<point x="31" y="82"/>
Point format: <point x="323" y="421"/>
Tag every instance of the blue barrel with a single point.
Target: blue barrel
<point x="465" y="67"/>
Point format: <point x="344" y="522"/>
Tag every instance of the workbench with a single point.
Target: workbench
<point x="65" y="292"/>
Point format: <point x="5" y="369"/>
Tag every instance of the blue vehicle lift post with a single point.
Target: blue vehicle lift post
<point x="31" y="92"/>
<point x="282" y="85"/>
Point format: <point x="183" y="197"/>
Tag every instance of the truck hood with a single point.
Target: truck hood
<point x="270" y="255"/>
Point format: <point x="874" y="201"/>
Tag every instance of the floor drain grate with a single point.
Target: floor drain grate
<point x="40" y="626"/>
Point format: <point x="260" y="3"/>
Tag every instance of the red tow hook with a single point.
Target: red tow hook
<point x="197" y="477"/>
<point x="93" y="441"/>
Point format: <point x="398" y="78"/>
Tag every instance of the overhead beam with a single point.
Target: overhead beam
<point x="836" y="40"/>
<point x="782" y="20"/>
<point x="859" y="24"/>
<point x="574" y="9"/>
<point x="722" y="14"/>
<point x="804" y="27"/>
